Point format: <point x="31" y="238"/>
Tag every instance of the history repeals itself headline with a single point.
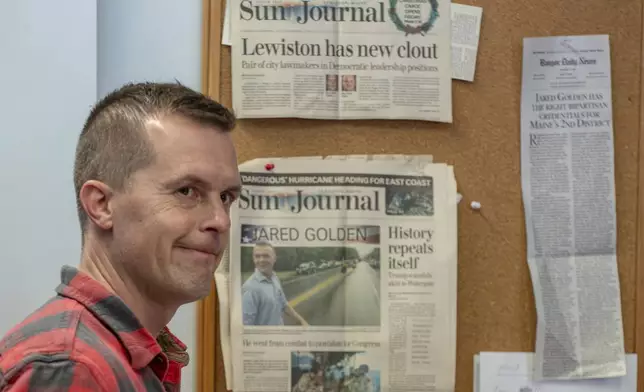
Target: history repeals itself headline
<point x="312" y="13"/>
<point x="407" y="245"/>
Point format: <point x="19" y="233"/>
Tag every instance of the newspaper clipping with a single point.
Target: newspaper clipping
<point x="567" y="170"/>
<point x="342" y="59"/>
<point x="466" y="28"/>
<point x="342" y="276"/>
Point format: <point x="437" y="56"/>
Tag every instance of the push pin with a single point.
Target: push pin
<point x="475" y="205"/>
<point x="269" y="166"/>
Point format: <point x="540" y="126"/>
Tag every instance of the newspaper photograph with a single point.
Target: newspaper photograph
<point x="311" y="369"/>
<point x="342" y="59"/>
<point x="342" y="276"/>
<point x="301" y="268"/>
<point x="568" y="185"/>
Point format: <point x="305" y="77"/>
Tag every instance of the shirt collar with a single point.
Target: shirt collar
<point x="261" y="277"/>
<point x="141" y="346"/>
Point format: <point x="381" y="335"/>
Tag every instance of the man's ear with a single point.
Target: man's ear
<point x="95" y="198"/>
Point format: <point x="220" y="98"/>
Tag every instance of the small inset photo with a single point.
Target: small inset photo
<point x="409" y="201"/>
<point x="349" y="83"/>
<point x="332" y="82"/>
<point x="334" y="371"/>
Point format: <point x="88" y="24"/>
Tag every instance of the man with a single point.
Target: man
<point x="263" y="300"/>
<point x="331" y="82"/>
<point x="311" y="381"/>
<point x="361" y="382"/>
<point x="155" y="175"/>
<point x="348" y="82"/>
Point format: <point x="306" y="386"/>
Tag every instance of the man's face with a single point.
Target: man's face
<point x="264" y="259"/>
<point x="332" y="82"/>
<point x="171" y="224"/>
<point x="348" y="83"/>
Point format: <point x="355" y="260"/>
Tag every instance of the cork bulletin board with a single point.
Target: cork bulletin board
<point x="496" y="310"/>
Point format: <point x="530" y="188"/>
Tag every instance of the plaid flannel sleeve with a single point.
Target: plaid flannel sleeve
<point x="55" y="376"/>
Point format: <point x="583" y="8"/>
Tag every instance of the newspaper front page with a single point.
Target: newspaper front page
<point x="222" y="275"/>
<point x="567" y="169"/>
<point x="342" y="59"/>
<point x="343" y="276"/>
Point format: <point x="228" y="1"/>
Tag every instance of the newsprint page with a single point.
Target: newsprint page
<point x="567" y="170"/>
<point x="342" y="59"/>
<point x="343" y="276"/>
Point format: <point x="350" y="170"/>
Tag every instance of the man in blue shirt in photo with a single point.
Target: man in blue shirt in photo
<point x="263" y="300"/>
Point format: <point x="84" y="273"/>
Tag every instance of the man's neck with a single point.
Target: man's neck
<point x="95" y="261"/>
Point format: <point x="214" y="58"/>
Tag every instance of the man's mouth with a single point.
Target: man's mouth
<point x="203" y="251"/>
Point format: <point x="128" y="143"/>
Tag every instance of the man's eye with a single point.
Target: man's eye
<point x="187" y="191"/>
<point x="227" y="198"/>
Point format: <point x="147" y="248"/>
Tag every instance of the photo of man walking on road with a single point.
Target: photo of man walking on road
<point x="263" y="299"/>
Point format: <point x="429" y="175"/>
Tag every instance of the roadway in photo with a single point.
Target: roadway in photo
<point x="331" y="298"/>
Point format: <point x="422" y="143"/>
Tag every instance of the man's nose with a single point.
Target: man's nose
<point x="218" y="218"/>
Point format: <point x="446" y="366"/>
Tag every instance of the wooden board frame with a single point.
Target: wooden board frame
<point x="209" y="364"/>
<point x="208" y="350"/>
<point x="639" y="300"/>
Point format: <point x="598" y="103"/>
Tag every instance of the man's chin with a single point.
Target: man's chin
<point x="197" y="293"/>
<point x="194" y="284"/>
<point x="265" y="271"/>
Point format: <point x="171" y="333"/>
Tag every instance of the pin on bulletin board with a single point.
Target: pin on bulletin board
<point x="475" y="205"/>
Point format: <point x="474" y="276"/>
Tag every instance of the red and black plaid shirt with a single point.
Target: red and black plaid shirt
<point x="87" y="339"/>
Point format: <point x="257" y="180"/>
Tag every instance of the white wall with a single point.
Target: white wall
<point x="48" y="83"/>
<point x="156" y="40"/>
<point x="70" y="53"/>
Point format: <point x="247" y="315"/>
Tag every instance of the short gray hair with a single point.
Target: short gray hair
<point x="112" y="145"/>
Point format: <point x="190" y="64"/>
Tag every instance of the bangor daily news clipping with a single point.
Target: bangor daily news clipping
<point x="342" y="59"/>
<point x="342" y="277"/>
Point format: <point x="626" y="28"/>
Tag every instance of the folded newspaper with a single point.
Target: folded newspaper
<point x="342" y="59"/>
<point x="341" y="276"/>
